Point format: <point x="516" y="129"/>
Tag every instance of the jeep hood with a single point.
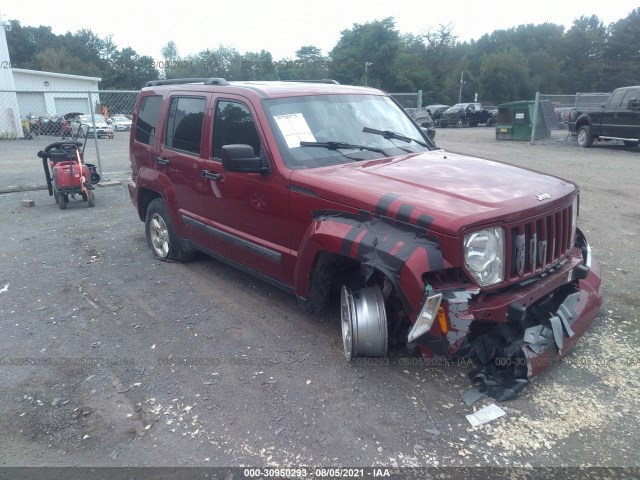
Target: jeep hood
<point x="456" y="191"/>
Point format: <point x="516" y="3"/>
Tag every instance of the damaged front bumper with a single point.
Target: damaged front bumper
<point x="517" y="333"/>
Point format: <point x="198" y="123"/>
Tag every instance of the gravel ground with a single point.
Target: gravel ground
<point x="126" y="361"/>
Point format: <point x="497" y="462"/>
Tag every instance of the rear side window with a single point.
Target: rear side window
<point x="148" y="119"/>
<point x="184" y="123"/>
<point x="630" y="100"/>
<point x="233" y="124"/>
<point x="616" y="99"/>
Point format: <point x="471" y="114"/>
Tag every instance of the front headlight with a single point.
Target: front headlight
<point x="484" y="255"/>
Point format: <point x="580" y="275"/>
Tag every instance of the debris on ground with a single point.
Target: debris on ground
<point x="485" y="415"/>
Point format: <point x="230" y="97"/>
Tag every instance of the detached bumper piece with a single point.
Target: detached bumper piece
<point x="534" y="338"/>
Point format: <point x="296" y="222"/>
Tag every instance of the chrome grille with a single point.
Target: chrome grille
<point x="537" y="244"/>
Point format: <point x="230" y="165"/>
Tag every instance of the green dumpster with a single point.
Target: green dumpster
<point x="515" y="121"/>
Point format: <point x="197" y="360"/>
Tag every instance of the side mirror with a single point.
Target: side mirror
<point x="241" y="158"/>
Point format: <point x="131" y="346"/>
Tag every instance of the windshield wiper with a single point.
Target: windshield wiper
<point x="388" y="135"/>
<point x="342" y="145"/>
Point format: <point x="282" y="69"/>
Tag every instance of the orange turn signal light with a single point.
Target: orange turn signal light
<point x="443" y="321"/>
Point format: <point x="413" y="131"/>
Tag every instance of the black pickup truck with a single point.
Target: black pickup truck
<point x="466" y="114"/>
<point x="618" y="119"/>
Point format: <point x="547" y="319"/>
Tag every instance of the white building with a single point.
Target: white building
<point x="31" y="92"/>
<point x="47" y="93"/>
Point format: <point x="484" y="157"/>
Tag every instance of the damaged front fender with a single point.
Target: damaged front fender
<point x="402" y="252"/>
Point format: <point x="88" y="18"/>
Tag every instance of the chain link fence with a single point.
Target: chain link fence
<point x="31" y="120"/>
<point x="101" y="120"/>
<point x="408" y="100"/>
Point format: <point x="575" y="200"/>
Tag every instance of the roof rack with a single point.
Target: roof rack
<point x="322" y="80"/>
<point x="180" y="81"/>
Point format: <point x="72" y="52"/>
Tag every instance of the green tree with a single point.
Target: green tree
<point x="311" y="64"/>
<point x="583" y="49"/>
<point x="258" y="66"/>
<point x="413" y="69"/>
<point x="170" y="52"/>
<point x="545" y="73"/>
<point x="22" y="45"/>
<point x="128" y="71"/>
<point x="376" y="43"/>
<point x="622" y="52"/>
<point x="439" y="52"/>
<point x="504" y="76"/>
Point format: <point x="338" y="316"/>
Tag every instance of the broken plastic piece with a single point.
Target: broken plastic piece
<point x="556" y="326"/>
<point x="538" y="335"/>
<point x="565" y="315"/>
<point x="472" y="395"/>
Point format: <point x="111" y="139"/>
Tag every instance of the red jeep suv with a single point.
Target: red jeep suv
<point x="333" y="193"/>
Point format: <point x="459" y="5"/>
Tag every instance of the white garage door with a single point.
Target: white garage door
<point x="66" y="105"/>
<point x="31" y="104"/>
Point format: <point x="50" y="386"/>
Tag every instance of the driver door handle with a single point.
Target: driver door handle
<point x="162" y="161"/>
<point x="216" y="177"/>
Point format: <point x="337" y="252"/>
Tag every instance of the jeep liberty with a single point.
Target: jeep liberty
<point x="333" y="193"/>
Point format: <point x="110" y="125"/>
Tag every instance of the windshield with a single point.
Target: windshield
<point x="343" y="128"/>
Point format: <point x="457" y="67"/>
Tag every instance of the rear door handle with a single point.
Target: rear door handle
<point x="162" y="161"/>
<point x="216" y="177"/>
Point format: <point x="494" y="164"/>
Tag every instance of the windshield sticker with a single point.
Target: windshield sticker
<point x="295" y="129"/>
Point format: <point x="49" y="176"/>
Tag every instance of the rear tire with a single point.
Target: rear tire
<point x="161" y="237"/>
<point x="585" y="139"/>
<point x="91" y="198"/>
<point x="631" y="143"/>
<point x="62" y="201"/>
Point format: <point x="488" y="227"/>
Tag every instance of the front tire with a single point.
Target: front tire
<point x="585" y="139"/>
<point x="631" y="143"/>
<point x="161" y="236"/>
<point x="363" y="320"/>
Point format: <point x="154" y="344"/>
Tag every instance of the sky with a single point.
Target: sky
<point x="283" y="26"/>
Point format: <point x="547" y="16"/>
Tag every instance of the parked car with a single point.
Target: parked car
<point x="563" y="114"/>
<point x="120" y="123"/>
<point x="46" y="125"/>
<point x="493" y="118"/>
<point x="464" y="115"/>
<point x="71" y="116"/>
<point x="34" y="123"/>
<point x="82" y="125"/>
<point x="56" y="126"/>
<point x="333" y="194"/>
<point x="436" y="111"/>
<point x="423" y="119"/>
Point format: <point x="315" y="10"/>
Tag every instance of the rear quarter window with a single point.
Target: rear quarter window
<point x="148" y="114"/>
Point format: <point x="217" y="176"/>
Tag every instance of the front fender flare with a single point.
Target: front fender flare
<point x="401" y="251"/>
